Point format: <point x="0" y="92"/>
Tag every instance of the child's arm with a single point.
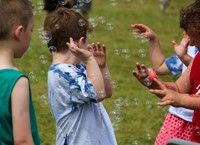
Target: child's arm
<point x="20" y="113"/>
<point x="93" y="71"/>
<point x="156" y="56"/>
<point x="100" y="56"/>
<point x="181" y="49"/>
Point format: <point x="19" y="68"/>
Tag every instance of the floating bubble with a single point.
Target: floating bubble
<point x="87" y="1"/>
<point x="57" y="26"/>
<point x="52" y="49"/>
<point x="90" y="48"/>
<point x="114" y="84"/>
<point x="142" y="52"/>
<point x="81" y="22"/>
<point x="148" y="82"/>
<point x="43" y="59"/>
<point x="113" y="3"/>
<point x="102" y="19"/>
<point x="109" y="26"/>
<point x="44" y="99"/>
<point x="61" y="2"/>
<point x="144" y="39"/>
<point x="32" y="75"/>
<point x="126" y="53"/>
<point x="136" y="35"/>
<point x="117" y="52"/>
<point x="93" y="22"/>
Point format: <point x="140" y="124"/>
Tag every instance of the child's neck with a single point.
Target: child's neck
<point x="6" y="57"/>
<point x="65" y="58"/>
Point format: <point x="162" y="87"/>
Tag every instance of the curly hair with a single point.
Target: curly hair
<point x="190" y="16"/>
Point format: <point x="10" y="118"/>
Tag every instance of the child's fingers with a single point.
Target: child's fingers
<point x="104" y="48"/>
<point x="164" y="103"/>
<point x="159" y="93"/>
<point x="94" y="46"/>
<point x="135" y="74"/>
<point x="98" y="46"/>
<point x="174" y="43"/>
<point x="159" y="83"/>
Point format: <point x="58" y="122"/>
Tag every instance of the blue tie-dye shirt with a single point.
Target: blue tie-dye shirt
<point x="80" y="118"/>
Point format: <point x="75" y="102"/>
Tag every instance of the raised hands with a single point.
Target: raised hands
<point x="78" y="52"/>
<point x="99" y="52"/>
<point x="144" y="75"/>
<point x="181" y="49"/>
<point x="144" y="31"/>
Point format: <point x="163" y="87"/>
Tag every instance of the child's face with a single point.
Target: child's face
<point x="194" y="37"/>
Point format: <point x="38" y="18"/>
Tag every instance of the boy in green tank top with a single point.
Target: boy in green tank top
<point x="17" y="116"/>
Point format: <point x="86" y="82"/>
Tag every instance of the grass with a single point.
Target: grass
<point x="132" y="109"/>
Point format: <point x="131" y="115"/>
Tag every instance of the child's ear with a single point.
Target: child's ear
<point x="81" y="42"/>
<point x="18" y="32"/>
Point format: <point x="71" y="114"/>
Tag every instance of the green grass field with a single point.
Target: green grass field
<point x="132" y="109"/>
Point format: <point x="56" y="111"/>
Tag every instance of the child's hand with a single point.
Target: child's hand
<point x="181" y="49"/>
<point x="144" y="31"/>
<point x="99" y="52"/>
<point x="82" y="54"/>
<point x="145" y="76"/>
<point x="168" y="96"/>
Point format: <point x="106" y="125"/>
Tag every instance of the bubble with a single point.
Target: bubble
<point x="57" y="26"/>
<point x="141" y="52"/>
<point x="61" y="2"/>
<point x="136" y="35"/>
<point x="45" y="36"/>
<point x="148" y="136"/>
<point x="114" y="84"/>
<point x="144" y="39"/>
<point x="43" y="59"/>
<point x="32" y="75"/>
<point x="126" y="53"/>
<point x="102" y="19"/>
<point x="135" y="142"/>
<point x="117" y="52"/>
<point x="90" y="48"/>
<point x="109" y="26"/>
<point x="147" y="82"/>
<point x="52" y="49"/>
<point x="44" y="99"/>
<point x="87" y="1"/>
<point x="81" y="22"/>
<point x="93" y="22"/>
<point x="113" y="3"/>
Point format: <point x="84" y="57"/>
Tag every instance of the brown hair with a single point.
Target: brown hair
<point x="63" y="24"/>
<point x="14" y="12"/>
<point x="190" y="16"/>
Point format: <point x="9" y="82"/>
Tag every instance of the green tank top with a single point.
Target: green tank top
<point x="8" y="79"/>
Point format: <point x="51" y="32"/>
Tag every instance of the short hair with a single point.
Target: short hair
<point x="14" y="12"/>
<point x="190" y="16"/>
<point x="63" y="24"/>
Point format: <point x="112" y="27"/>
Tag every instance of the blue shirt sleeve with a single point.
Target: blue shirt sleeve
<point x="174" y="64"/>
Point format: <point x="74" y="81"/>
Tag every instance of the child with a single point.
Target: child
<point x="76" y="89"/>
<point x="184" y="92"/>
<point x="17" y="116"/>
<point x="175" y="66"/>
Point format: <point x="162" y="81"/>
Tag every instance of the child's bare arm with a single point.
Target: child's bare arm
<point x="156" y="56"/>
<point x="93" y="71"/>
<point x="20" y="113"/>
<point x="100" y="56"/>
